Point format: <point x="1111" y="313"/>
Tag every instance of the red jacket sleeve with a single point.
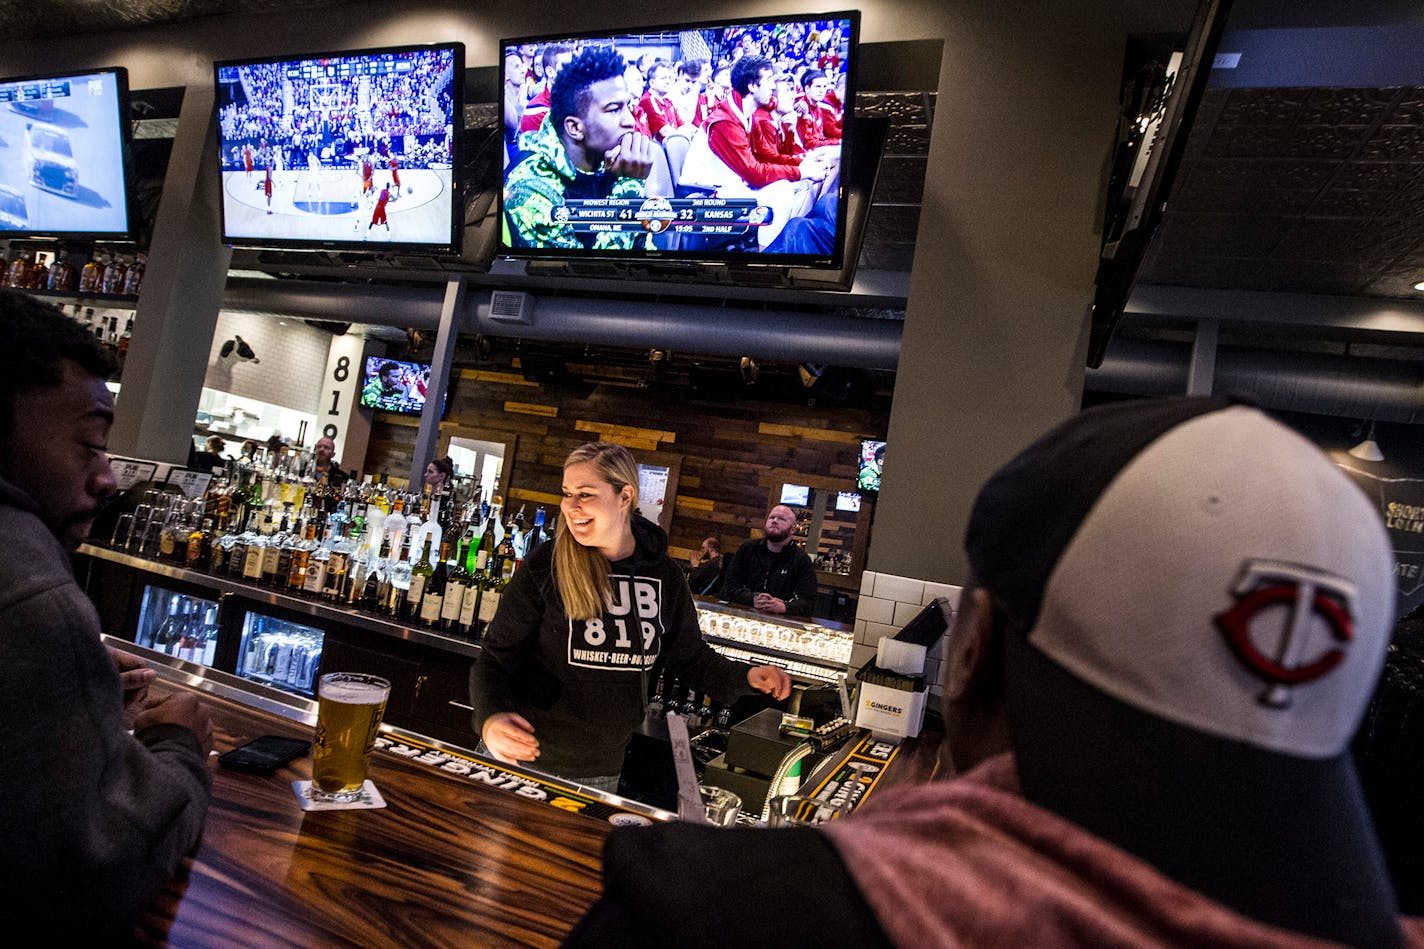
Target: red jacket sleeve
<point x="729" y="142"/>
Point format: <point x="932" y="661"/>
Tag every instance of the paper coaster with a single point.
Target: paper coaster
<point x="368" y="798"/>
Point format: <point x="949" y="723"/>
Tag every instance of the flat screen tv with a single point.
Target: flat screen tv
<point x="342" y="150"/>
<point x="1158" y="110"/>
<point x="797" y="494"/>
<point x="723" y="140"/>
<point x="392" y="385"/>
<point x="872" y="457"/>
<point x="64" y="156"/>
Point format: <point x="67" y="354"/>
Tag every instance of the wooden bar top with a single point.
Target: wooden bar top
<point x="445" y="863"/>
<point x="449" y="861"/>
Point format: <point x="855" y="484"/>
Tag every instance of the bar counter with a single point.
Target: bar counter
<point x="466" y="852"/>
<point x="446" y="862"/>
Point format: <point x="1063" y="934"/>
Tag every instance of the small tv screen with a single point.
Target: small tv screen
<point x="64" y="156"/>
<point x="347" y="150"/>
<point x="797" y="494"/>
<point x="872" y="456"/>
<point x="847" y="501"/>
<point x="391" y="385"/>
<point x="721" y="140"/>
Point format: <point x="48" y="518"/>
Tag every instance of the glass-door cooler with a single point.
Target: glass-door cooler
<point x="179" y="620"/>
<point x="280" y="651"/>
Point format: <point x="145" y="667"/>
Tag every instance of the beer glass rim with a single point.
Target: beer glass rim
<point x="361" y="677"/>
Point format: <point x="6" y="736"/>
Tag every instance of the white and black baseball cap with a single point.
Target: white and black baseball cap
<point x="1199" y="605"/>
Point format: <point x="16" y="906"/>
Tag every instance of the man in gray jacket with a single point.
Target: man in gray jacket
<point x="94" y="819"/>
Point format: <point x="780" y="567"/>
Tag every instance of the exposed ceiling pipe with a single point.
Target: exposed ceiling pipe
<point x="1343" y="386"/>
<point x="712" y="330"/>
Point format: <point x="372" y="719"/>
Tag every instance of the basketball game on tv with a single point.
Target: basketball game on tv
<point x="352" y="148"/>
<point x="717" y="140"/>
<point x="62" y="155"/>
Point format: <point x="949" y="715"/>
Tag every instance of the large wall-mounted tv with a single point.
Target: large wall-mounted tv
<point x="64" y="156"/>
<point x="723" y="140"/>
<point x="349" y="150"/>
<point x="394" y="385"/>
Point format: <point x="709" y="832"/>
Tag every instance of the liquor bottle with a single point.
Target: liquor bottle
<point x="199" y="548"/>
<point x="492" y="590"/>
<point x="187" y="646"/>
<point x="255" y="555"/>
<point x="114" y="274"/>
<point x="90" y="275"/>
<point x="394" y="526"/>
<point x="133" y="280"/>
<point x="457" y="587"/>
<point x="172" y="638"/>
<point x="301" y="555"/>
<point x="237" y="552"/>
<point x="485" y="553"/>
<point x="208" y="636"/>
<point x="162" y="637"/>
<point x="358" y="565"/>
<point x="536" y="537"/>
<point x="432" y="604"/>
<point x="420" y="575"/>
<point x="221" y="550"/>
<point x="124" y="339"/>
<point x="506" y="558"/>
<point x="315" y="580"/>
<point x="393" y="603"/>
<point x="19" y="272"/>
<point x="60" y="274"/>
<point x="375" y="579"/>
<point x="467" y="624"/>
<point x="474" y="534"/>
<point x="338" y="563"/>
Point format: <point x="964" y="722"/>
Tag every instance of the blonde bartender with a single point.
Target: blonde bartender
<point x="561" y="680"/>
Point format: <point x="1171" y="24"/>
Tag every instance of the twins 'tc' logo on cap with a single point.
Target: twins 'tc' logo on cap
<point x="1308" y="597"/>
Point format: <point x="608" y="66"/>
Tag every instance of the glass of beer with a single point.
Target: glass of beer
<point x="349" y="710"/>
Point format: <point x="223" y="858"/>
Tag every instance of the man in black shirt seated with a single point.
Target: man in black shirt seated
<point x="773" y="574"/>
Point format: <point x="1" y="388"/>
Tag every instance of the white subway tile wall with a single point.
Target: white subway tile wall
<point x="292" y="360"/>
<point x="887" y="602"/>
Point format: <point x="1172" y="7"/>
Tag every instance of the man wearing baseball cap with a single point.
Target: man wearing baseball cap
<point x="1177" y="614"/>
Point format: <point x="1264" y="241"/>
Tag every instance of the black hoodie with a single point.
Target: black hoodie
<point x="582" y="684"/>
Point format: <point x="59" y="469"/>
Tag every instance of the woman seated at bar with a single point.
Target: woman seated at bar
<point x="585" y="625"/>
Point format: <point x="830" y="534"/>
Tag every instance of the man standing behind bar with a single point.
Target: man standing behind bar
<point x="95" y="819"/>
<point x="773" y="574"/>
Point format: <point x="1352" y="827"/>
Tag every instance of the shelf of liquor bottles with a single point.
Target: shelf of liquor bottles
<point x="76" y="273"/>
<point x="322" y="611"/>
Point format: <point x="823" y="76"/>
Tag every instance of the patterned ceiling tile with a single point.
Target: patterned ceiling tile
<point x="1219" y="235"/>
<point x="1359" y="107"/>
<point x="1263" y="107"/>
<point x="1394" y="143"/>
<point x="1409" y="108"/>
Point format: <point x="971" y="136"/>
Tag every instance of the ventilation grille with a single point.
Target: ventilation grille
<point x="511" y="306"/>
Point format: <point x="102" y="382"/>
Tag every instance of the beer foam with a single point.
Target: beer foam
<point x="353" y="693"/>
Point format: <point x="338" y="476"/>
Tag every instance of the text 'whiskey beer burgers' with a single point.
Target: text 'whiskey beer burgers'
<point x="350" y="707"/>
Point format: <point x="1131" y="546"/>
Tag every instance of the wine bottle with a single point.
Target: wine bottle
<point x="432" y="604"/>
<point x="457" y="587"/>
<point x="420" y="575"/>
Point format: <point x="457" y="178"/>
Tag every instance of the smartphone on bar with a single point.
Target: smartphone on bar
<point x="264" y="755"/>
